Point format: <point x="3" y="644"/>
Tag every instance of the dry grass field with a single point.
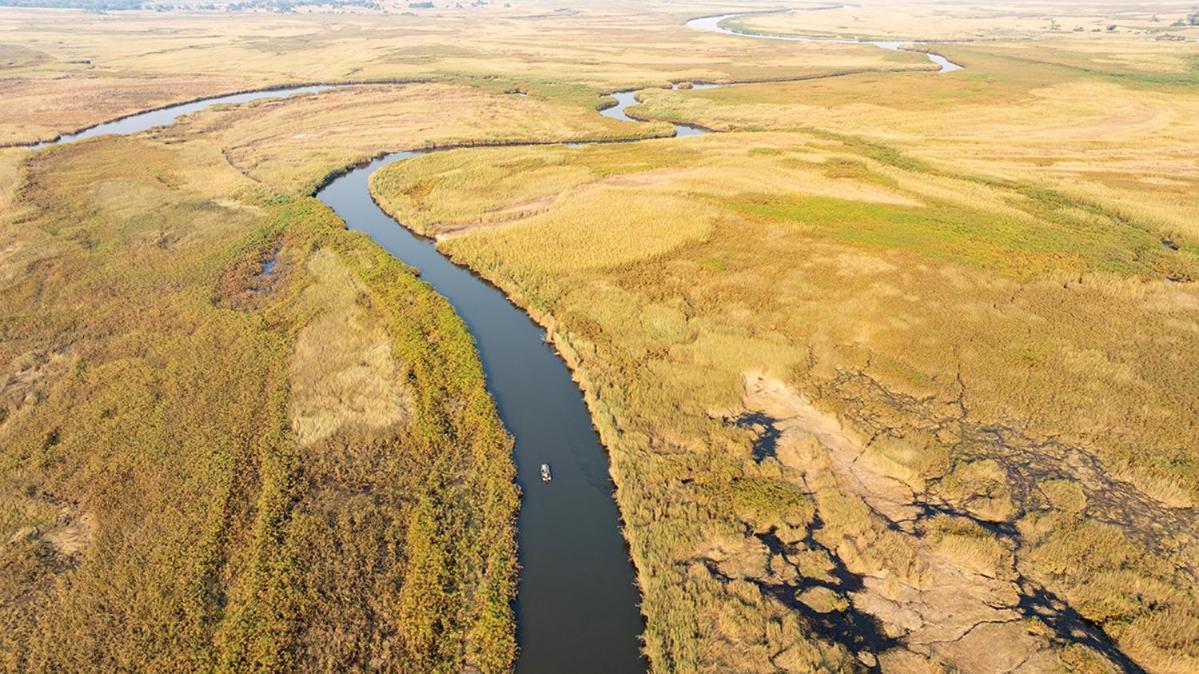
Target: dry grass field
<point x="1022" y="20"/>
<point x="293" y="145"/>
<point x="1097" y="127"/>
<point x="895" y="371"/>
<point x="235" y="435"/>
<point x="56" y="79"/>
<point x="941" y="346"/>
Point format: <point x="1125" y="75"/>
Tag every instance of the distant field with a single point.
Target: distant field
<point x="894" y="370"/>
<point x="56" y="79"/>
<point x="1099" y="127"/>
<point x="1094" y="23"/>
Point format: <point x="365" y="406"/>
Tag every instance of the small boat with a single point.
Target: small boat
<point x="545" y="472"/>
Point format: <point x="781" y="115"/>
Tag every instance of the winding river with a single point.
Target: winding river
<point x="577" y="606"/>
<point x="576" y="609"/>
<point x="712" y="24"/>
<point x="164" y="116"/>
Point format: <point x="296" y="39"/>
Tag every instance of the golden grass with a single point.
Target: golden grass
<point x="72" y="65"/>
<point x="444" y="193"/>
<point x="938" y="301"/>
<point x="651" y="225"/>
<point x="1046" y="114"/>
<point x="41" y="108"/>
<point x="960" y="276"/>
<point x="343" y="374"/>
<point x="293" y="145"/>
<point x="158" y="510"/>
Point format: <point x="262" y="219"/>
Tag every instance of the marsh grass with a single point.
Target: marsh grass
<point x="1017" y="114"/>
<point x="71" y="69"/>
<point x="928" y="280"/>
<point x="868" y="281"/>
<point x="294" y="145"/>
<point x="180" y="492"/>
<point x="963" y="235"/>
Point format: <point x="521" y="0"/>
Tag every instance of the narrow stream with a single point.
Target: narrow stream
<point x="712" y="25"/>
<point x="626" y="98"/>
<point x="167" y="115"/>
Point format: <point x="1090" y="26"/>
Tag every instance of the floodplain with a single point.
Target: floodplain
<point x="894" y="368"/>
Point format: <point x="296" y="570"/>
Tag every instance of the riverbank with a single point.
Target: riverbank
<point x="343" y="475"/>
<point x="739" y="380"/>
<point x="576" y="605"/>
<point x="760" y="323"/>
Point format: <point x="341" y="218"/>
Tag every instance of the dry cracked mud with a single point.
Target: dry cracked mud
<point x="920" y="572"/>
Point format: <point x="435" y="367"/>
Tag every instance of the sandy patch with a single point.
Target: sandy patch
<point x="940" y="601"/>
<point x="343" y="374"/>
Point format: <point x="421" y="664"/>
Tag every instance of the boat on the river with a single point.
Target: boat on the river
<point x="545" y="472"/>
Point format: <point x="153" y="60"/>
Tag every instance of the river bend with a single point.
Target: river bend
<point x="577" y="604"/>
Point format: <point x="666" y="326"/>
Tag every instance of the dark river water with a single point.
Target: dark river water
<point x="577" y="605"/>
<point x="576" y="609"/>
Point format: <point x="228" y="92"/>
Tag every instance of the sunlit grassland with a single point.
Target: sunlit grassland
<point x="71" y="69"/>
<point x="166" y="501"/>
<point x="1016" y="247"/>
<point x="850" y="192"/>
<point x="930" y="21"/>
<point x="294" y="144"/>
<point x="439" y="191"/>
<point x="43" y="108"/>
<point x="1106" y="133"/>
<point x="893" y="295"/>
<point x="966" y="273"/>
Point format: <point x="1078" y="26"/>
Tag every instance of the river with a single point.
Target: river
<point x="576" y="608"/>
<point x="164" y="116"/>
<point x="577" y="605"/>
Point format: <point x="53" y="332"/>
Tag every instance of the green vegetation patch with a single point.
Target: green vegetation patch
<point x="1021" y="248"/>
<point x="762" y="500"/>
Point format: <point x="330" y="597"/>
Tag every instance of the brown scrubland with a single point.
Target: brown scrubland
<point x="895" y="370"/>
